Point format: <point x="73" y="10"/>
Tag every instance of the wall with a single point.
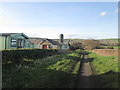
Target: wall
<point x="9" y="43"/>
<point x="2" y="42"/>
<point x="64" y="46"/>
<point x="48" y="43"/>
<point x="54" y="47"/>
<point x="44" y="43"/>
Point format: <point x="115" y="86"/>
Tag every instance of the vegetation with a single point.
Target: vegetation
<point x="76" y="45"/>
<point x="21" y="55"/>
<point x="57" y="71"/>
<point x="116" y="47"/>
<point x="107" y="69"/>
<point x="91" y="44"/>
<point x="109" y="42"/>
<point x="104" y="47"/>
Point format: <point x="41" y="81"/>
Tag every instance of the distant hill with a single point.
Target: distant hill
<point x="69" y="40"/>
<point x="111" y="39"/>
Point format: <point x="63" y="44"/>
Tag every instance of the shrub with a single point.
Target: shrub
<point x="76" y="45"/>
<point x="110" y="47"/>
<point x="100" y="48"/>
<point x="18" y="55"/>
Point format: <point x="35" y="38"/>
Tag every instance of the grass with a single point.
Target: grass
<point x="57" y="71"/>
<point x="117" y="47"/>
<point x="107" y="69"/>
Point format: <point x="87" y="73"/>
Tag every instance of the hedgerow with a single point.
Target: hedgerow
<point x="19" y="55"/>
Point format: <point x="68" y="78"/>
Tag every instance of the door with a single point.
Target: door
<point x="44" y="47"/>
<point x="20" y="43"/>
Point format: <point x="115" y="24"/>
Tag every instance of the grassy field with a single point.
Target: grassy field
<point x="107" y="69"/>
<point x="115" y="47"/>
<point x="57" y="71"/>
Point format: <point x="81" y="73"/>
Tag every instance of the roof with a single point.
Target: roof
<point x="10" y="34"/>
<point x="51" y="41"/>
<point x="7" y="34"/>
<point x="35" y="38"/>
<point x="35" y="41"/>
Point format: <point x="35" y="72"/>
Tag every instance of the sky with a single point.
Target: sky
<point x="82" y="20"/>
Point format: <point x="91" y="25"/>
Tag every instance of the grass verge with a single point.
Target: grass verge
<point x="57" y="71"/>
<point x="107" y="69"/>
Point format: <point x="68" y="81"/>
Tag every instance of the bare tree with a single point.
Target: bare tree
<point x="91" y="44"/>
<point x="75" y="45"/>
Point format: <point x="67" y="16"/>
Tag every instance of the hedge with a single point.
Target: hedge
<point x="18" y="55"/>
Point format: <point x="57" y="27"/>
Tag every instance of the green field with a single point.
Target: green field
<point x="107" y="69"/>
<point x="116" y="47"/>
<point x="57" y="71"/>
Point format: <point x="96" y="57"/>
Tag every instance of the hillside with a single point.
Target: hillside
<point x="108" y="42"/>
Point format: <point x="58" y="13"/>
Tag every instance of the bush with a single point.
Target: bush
<point x="76" y="45"/>
<point x="100" y="47"/>
<point x="18" y="55"/>
<point x="110" y="47"/>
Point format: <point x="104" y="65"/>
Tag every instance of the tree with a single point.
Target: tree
<point x="75" y="45"/>
<point x="91" y="44"/>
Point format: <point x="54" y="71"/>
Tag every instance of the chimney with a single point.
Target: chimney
<point x="61" y="38"/>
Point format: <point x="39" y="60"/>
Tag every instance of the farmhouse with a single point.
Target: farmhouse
<point x="49" y="44"/>
<point x="14" y="41"/>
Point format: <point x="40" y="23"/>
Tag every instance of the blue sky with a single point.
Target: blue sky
<point x="84" y="20"/>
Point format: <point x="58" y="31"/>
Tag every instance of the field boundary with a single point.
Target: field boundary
<point x="107" y="52"/>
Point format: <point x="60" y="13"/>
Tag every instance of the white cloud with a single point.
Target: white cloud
<point x="91" y="35"/>
<point x="81" y="35"/>
<point x="103" y="13"/>
<point x="10" y="25"/>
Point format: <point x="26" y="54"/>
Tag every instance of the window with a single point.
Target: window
<point x="13" y="42"/>
<point x="21" y="43"/>
<point x="50" y="46"/>
<point x="29" y="44"/>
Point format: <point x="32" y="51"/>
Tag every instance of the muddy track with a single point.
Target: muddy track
<point x="85" y="72"/>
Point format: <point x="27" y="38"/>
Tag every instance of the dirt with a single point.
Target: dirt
<point x="85" y="81"/>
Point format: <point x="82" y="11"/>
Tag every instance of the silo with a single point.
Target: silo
<point x="61" y="38"/>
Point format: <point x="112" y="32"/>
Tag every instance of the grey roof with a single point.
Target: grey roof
<point x="37" y="38"/>
<point x="52" y="41"/>
<point x="9" y="34"/>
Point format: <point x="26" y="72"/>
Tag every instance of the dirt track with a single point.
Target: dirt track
<point x="85" y="81"/>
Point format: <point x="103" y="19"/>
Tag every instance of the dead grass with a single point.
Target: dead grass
<point x="107" y="52"/>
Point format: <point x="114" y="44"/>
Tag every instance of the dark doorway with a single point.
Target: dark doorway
<point x="44" y="47"/>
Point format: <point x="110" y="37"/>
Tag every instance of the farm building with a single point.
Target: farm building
<point x="63" y="46"/>
<point x="14" y="41"/>
<point x="20" y="40"/>
<point x="49" y="44"/>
